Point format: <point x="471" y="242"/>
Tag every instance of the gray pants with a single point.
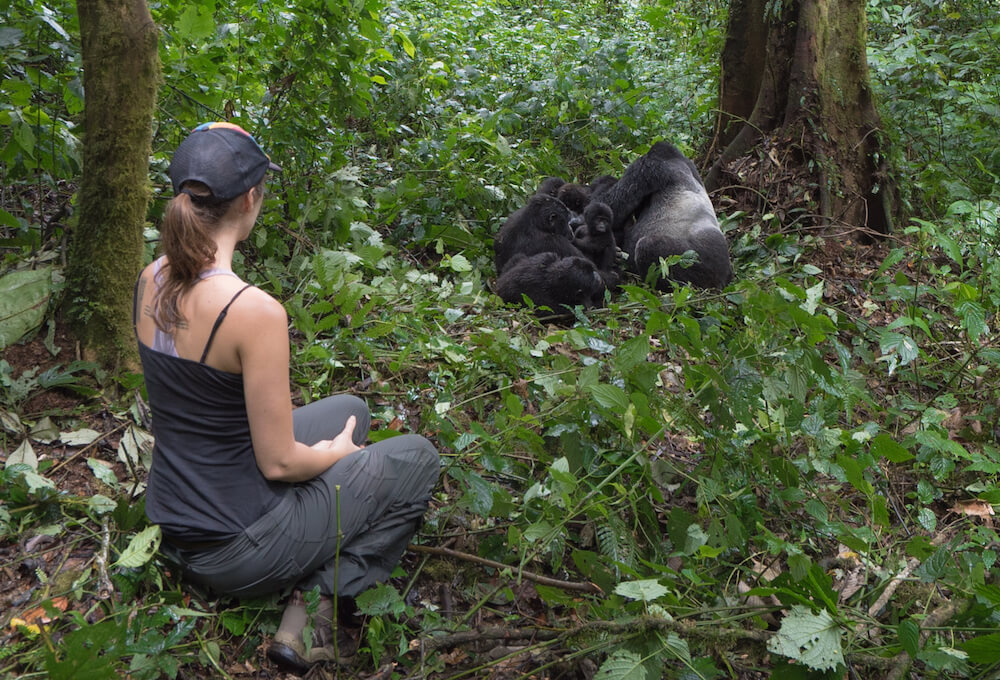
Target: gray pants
<point x="343" y="530"/>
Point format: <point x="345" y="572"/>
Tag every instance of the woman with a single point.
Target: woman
<point x="251" y="496"/>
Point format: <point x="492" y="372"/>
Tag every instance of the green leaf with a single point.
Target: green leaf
<point x="611" y="397"/>
<point x="908" y="633"/>
<point x="973" y="319"/>
<point x="984" y="649"/>
<point x="622" y="665"/>
<point x="10" y="36"/>
<point x="141" y="548"/>
<point x="195" y="25"/>
<point x="811" y="639"/>
<point x="885" y="446"/>
<point x="381" y="600"/>
<point x="645" y="591"/>
<point x="24" y="297"/>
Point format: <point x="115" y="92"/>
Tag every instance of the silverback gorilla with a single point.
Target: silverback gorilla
<point x="661" y="207"/>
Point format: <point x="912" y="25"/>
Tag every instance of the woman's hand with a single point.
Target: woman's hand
<point x="343" y="444"/>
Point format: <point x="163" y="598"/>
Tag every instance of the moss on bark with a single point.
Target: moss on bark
<point x="121" y="78"/>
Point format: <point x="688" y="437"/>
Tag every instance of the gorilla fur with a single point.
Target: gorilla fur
<point x="661" y="207"/>
<point x="558" y="283"/>
<point x="593" y="235"/>
<point x="540" y="226"/>
<point x="574" y="196"/>
<point x="550" y="186"/>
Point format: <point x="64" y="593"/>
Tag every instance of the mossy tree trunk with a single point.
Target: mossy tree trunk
<point x="795" y="84"/>
<point x="121" y="75"/>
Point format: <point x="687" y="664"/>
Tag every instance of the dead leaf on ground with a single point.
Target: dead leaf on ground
<point x="34" y="619"/>
<point x="974" y="508"/>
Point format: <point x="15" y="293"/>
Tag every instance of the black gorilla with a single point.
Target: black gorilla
<point x="541" y="226"/>
<point x="574" y="196"/>
<point x="663" y="193"/>
<point x="593" y="235"/>
<point x="600" y="184"/>
<point x="551" y="281"/>
<point x="550" y="186"/>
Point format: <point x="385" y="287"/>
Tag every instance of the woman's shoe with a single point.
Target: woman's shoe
<point x="288" y="650"/>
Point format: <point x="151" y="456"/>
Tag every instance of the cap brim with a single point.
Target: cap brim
<point x="274" y="167"/>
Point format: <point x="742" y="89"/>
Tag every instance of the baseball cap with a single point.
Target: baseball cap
<point x="223" y="156"/>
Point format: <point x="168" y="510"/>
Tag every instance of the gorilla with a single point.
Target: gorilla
<point x="551" y="281"/>
<point x="661" y="207"/>
<point x="600" y="184"/>
<point x="574" y="196"/>
<point x="541" y="225"/>
<point x="550" y="186"/>
<point x="593" y="236"/>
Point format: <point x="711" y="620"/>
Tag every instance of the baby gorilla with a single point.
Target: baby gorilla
<point x="553" y="282"/>
<point x="541" y="226"/>
<point x="593" y="235"/>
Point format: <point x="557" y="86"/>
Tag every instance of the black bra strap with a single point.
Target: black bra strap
<point x="135" y="303"/>
<point x="218" y="322"/>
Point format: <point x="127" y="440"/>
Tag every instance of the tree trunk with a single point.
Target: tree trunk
<point x="795" y="85"/>
<point x="121" y="74"/>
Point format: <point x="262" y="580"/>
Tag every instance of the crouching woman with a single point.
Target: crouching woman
<point x="252" y="496"/>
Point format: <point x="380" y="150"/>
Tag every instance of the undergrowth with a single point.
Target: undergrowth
<point x="788" y="478"/>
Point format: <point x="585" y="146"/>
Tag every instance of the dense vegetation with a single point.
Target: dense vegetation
<point x="787" y="479"/>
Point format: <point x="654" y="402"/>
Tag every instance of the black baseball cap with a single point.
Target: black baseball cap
<point x="223" y="156"/>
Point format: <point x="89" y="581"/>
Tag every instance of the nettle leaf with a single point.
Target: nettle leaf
<point x="195" y="25"/>
<point x="141" y="548"/>
<point x="885" y="446"/>
<point x="610" y="396"/>
<point x="909" y="637"/>
<point x="382" y="599"/>
<point x="812" y="639"/>
<point x="973" y="319"/>
<point x="897" y="349"/>
<point x="984" y="649"/>
<point x="646" y="590"/>
<point x="622" y="665"/>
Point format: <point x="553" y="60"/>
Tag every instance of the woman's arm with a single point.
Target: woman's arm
<point x="264" y="356"/>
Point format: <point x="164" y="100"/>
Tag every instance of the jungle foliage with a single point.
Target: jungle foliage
<point x="792" y="478"/>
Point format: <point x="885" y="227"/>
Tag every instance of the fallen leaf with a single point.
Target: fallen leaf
<point x="974" y="508"/>
<point x="33" y="619"/>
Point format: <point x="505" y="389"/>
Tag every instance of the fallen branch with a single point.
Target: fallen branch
<point x="104" y="586"/>
<point x="709" y="632"/>
<point x="531" y="576"/>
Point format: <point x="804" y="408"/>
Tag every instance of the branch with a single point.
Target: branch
<point x="709" y="632"/>
<point x="531" y="576"/>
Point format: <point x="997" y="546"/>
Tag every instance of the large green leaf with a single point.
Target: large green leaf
<point x="24" y="296"/>
<point x="811" y="639"/>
